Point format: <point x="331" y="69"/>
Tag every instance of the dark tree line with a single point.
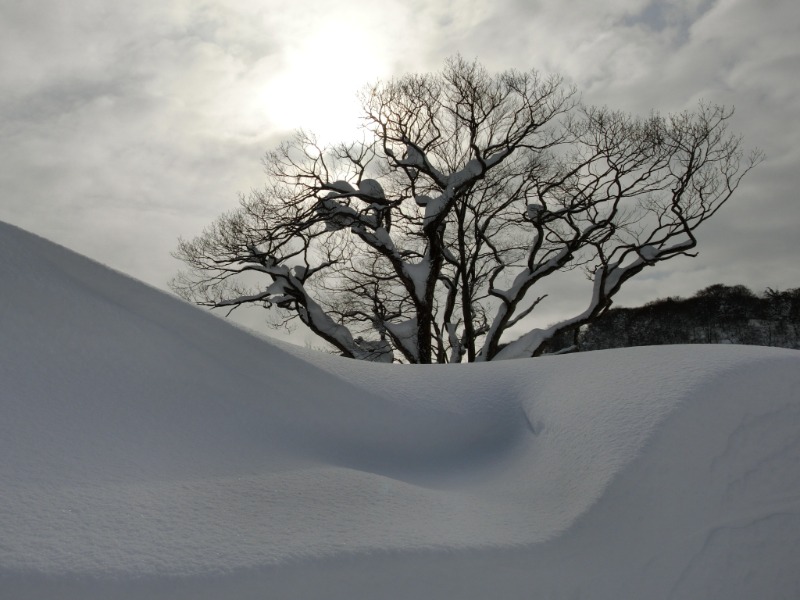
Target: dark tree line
<point x="718" y="314"/>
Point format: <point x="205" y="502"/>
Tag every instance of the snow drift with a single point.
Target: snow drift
<point x="151" y="450"/>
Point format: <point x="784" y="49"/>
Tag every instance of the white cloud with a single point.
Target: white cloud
<point x="124" y="125"/>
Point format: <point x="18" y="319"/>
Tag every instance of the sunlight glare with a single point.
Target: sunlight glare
<point x="316" y="89"/>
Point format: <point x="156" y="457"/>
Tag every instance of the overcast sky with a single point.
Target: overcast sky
<point x="124" y="125"/>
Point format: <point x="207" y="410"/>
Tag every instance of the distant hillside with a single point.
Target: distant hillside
<point x="718" y="314"/>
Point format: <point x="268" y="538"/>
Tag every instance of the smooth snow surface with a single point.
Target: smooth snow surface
<point x="150" y="450"/>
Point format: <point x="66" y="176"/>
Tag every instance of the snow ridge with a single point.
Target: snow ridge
<point x="143" y="440"/>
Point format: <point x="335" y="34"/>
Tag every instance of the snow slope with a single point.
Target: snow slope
<point x="150" y="450"/>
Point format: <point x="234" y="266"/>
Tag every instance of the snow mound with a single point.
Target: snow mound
<point x="149" y="449"/>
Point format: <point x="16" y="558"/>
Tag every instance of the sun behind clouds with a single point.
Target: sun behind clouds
<point x="321" y="73"/>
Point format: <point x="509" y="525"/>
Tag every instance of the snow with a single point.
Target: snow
<point x="382" y="238"/>
<point x="372" y="188"/>
<point x="279" y="287"/>
<point x="534" y="211"/>
<point x="342" y="187"/>
<point x="648" y="252"/>
<point x="418" y="273"/>
<point x="151" y="450"/>
<point x="471" y="170"/>
<point x="413" y="157"/>
<point x="405" y="332"/>
<point x="422" y="200"/>
<point x="434" y="207"/>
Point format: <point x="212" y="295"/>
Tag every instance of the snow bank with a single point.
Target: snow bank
<point x="148" y="449"/>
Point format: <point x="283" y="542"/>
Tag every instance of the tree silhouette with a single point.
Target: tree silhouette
<point x="427" y="240"/>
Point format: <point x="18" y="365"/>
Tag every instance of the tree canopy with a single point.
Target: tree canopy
<point x="427" y="239"/>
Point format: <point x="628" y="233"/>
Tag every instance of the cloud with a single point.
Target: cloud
<point x="125" y="125"/>
<point x="667" y="56"/>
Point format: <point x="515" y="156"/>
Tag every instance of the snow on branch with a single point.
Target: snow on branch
<point x="428" y="239"/>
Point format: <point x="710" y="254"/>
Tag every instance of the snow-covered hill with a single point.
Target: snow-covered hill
<point x="150" y="450"/>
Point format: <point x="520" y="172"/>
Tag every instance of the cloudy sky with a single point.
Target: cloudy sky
<point x="124" y="125"/>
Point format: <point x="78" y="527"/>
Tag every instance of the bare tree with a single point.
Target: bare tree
<point x="425" y="241"/>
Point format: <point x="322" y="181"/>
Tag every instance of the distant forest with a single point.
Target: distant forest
<point x="718" y="314"/>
